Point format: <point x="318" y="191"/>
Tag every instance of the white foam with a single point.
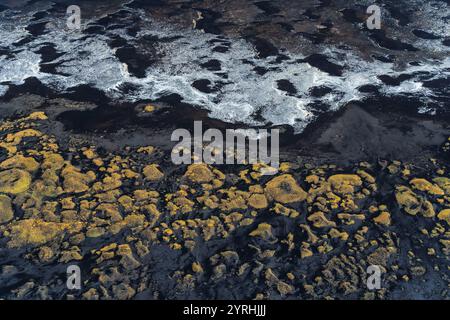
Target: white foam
<point x="243" y="95"/>
<point x="3" y="90"/>
<point x="22" y="66"/>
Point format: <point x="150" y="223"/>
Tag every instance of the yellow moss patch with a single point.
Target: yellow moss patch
<point x="45" y="254"/>
<point x="424" y="185"/>
<point x="180" y="204"/>
<point x="147" y="149"/>
<point x="285" y="167"/>
<point x="14" y="181"/>
<point x="235" y="200"/>
<point x="384" y="218"/>
<point x="345" y="183"/>
<point x="444" y="215"/>
<point x="285" y="189"/>
<point x="197" y="267"/>
<point x="444" y="183"/>
<point x="20" y="162"/>
<point x="199" y="173"/>
<point x="16" y="138"/>
<point x="149" y="108"/>
<point x="284" y="288"/>
<point x="304" y="250"/>
<point x="313" y="179"/>
<point x="256" y="189"/>
<point x="142" y="195"/>
<point x="334" y="233"/>
<point x="39" y="115"/>
<point x="36" y="232"/>
<point x="152" y="173"/>
<point x="110" y="182"/>
<point x="95" y="232"/>
<point x="350" y="219"/>
<point x="320" y="221"/>
<point x="6" y="210"/>
<point x="258" y="201"/>
<point x="427" y="209"/>
<point x="407" y="200"/>
<point x="130" y="221"/>
<point x="280" y="209"/>
<point x="366" y="176"/>
<point x="75" y="181"/>
<point x="264" y="230"/>
<point x="52" y="161"/>
<point x="110" y="210"/>
<point x="90" y="154"/>
<point x="311" y="236"/>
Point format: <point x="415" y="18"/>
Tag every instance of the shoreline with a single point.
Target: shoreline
<point x="360" y="131"/>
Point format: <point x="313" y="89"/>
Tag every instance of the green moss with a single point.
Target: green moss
<point x="6" y="210"/>
<point x="285" y="189"/>
<point x="14" y="181"/>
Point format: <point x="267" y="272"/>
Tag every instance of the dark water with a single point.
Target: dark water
<point x="255" y="62"/>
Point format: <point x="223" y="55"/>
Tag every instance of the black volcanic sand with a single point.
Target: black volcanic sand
<point x="254" y="237"/>
<point x="365" y="131"/>
<point x="370" y="132"/>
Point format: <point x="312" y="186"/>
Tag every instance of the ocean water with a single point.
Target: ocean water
<point x="225" y="75"/>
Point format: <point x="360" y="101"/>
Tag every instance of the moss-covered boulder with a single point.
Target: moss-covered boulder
<point x="6" y="210"/>
<point x="14" y="181"/>
<point x="285" y="189"/>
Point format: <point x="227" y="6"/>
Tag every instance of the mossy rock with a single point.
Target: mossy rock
<point x="36" y="232"/>
<point x="258" y="201"/>
<point x="407" y="199"/>
<point x="75" y="181"/>
<point x="6" y="210"/>
<point x="14" y="181"/>
<point x="285" y="189"/>
<point x="443" y="183"/>
<point x="152" y="173"/>
<point x="20" y="162"/>
<point x="264" y="231"/>
<point x="445" y="215"/>
<point x="424" y="185"/>
<point x="345" y="183"/>
<point x="199" y="173"/>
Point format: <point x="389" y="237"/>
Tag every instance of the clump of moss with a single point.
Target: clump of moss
<point x="345" y="183"/>
<point x="37" y="232"/>
<point x="285" y="189"/>
<point x="152" y="173"/>
<point x="258" y="201"/>
<point x="444" y="215"/>
<point x="444" y="183"/>
<point x="407" y="200"/>
<point x="320" y="221"/>
<point x="199" y="173"/>
<point x="6" y="210"/>
<point x="424" y="185"/>
<point x="264" y="231"/>
<point x="75" y="181"/>
<point x="20" y="162"/>
<point x="149" y="108"/>
<point x="384" y="218"/>
<point x="14" y="181"/>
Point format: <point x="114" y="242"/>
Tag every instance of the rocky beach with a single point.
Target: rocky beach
<point x="86" y="176"/>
